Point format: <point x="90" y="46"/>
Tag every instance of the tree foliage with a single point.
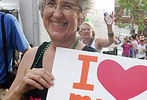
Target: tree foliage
<point x="136" y="8"/>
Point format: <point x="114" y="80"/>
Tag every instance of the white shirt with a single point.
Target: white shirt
<point x="93" y="45"/>
<point x="141" y="53"/>
<point x="135" y="44"/>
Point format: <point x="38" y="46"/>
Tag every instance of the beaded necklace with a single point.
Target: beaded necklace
<point x="46" y="49"/>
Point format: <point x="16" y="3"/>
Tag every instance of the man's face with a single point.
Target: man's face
<point x="142" y="42"/>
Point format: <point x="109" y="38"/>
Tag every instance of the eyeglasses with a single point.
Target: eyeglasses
<point x="66" y="7"/>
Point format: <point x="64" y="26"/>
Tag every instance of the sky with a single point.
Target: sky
<point x="106" y="5"/>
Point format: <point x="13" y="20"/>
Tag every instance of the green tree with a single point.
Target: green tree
<point x="135" y="9"/>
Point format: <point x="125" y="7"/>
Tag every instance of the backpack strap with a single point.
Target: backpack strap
<point x="91" y="40"/>
<point x="4" y="43"/>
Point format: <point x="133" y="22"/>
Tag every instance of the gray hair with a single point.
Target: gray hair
<point x="85" y="6"/>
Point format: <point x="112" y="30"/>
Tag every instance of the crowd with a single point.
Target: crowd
<point x="134" y="47"/>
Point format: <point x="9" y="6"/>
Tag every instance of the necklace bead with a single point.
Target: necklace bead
<point x="46" y="49"/>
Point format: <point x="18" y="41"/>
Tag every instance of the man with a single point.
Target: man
<point x="134" y="45"/>
<point x="15" y="40"/>
<point x="141" y="50"/>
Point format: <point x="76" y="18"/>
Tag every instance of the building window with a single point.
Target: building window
<point x="126" y="13"/>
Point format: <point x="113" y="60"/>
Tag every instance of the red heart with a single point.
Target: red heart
<point x="122" y="84"/>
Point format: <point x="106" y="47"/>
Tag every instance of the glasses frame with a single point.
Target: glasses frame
<point x="74" y="8"/>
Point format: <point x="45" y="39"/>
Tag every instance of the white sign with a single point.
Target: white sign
<point x="81" y="75"/>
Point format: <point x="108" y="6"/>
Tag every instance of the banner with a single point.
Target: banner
<point x="81" y="75"/>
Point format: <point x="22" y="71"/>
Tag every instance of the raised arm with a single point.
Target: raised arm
<point x="105" y="42"/>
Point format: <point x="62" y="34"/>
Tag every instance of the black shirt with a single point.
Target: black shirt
<point x="41" y="94"/>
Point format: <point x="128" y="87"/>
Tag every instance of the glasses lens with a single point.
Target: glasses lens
<point x="65" y="7"/>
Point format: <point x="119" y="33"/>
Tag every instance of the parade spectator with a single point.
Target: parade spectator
<point x="126" y="47"/>
<point x="15" y="40"/>
<point x="114" y="46"/>
<point x="98" y="43"/>
<point x="131" y="49"/>
<point x="86" y="33"/>
<point x="141" y="50"/>
<point x="134" y="45"/>
<point x="61" y="19"/>
<point x="119" y="41"/>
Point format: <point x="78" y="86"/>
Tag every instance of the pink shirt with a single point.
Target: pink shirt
<point x="126" y="49"/>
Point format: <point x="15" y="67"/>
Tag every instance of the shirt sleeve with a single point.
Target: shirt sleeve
<point x="17" y="36"/>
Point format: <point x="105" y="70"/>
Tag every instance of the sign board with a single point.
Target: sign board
<point x="81" y="75"/>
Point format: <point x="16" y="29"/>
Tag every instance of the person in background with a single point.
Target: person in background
<point x="16" y="60"/>
<point x="88" y="36"/>
<point x="84" y="38"/>
<point x="15" y="40"/>
<point x="126" y="47"/>
<point x="141" y="50"/>
<point x="131" y="49"/>
<point x="61" y="19"/>
<point x="119" y="41"/>
<point x="115" y="45"/>
<point x="134" y="45"/>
